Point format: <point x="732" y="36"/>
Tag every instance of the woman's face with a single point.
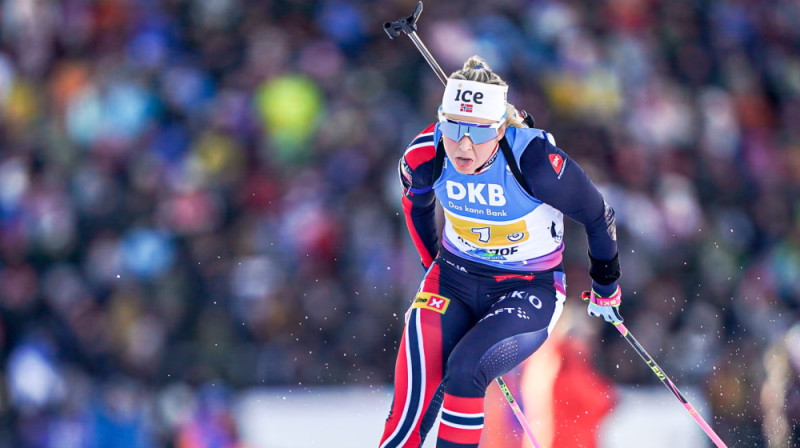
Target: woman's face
<point x="465" y="155"/>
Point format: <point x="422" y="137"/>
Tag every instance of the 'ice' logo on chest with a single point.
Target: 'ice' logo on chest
<point x="485" y="194"/>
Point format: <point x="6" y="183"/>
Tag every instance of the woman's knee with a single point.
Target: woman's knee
<point x="462" y="375"/>
<point x="468" y="373"/>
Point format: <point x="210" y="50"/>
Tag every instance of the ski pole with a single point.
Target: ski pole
<point x="408" y="26"/>
<point x="668" y="383"/>
<point x="517" y="411"/>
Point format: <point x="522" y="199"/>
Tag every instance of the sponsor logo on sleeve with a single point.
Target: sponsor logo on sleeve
<point x="557" y="162"/>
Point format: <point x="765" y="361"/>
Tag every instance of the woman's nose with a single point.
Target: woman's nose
<point x="465" y="144"/>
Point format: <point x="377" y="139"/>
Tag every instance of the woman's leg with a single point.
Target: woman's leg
<point x="435" y="324"/>
<point x="512" y="330"/>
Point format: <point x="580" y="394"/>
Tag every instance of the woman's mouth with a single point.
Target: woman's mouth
<point x="463" y="162"/>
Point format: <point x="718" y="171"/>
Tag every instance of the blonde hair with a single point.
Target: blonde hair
<point x="476" y="69"/>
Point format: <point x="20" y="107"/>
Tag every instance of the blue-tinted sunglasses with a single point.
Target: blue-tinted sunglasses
<point x="478" y="133"/>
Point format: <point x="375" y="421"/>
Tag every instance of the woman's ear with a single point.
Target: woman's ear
<point x="501" y="132"/>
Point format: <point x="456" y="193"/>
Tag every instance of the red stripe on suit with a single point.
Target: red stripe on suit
<point x="461" y="405"/>
<point x="431" y="346"/>
<point x="421" y="154"/>
<point x="425" y="256"/>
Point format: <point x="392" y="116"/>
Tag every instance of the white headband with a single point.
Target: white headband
<point x="474" y="99"/>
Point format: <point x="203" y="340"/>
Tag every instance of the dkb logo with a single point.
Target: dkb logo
<point x="475" y="193"/>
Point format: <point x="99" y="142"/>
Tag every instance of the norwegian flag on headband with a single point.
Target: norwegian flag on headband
<point x="466" y="107"/>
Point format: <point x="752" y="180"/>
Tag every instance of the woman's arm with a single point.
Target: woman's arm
<point x="419" y="199"/>
<point x="559" y="181"/>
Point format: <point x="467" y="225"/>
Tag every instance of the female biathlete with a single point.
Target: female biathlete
<point x="494" y="286"/>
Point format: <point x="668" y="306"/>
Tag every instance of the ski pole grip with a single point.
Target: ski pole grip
<point x="403" y="25"/>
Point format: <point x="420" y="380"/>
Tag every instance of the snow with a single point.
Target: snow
<point x="328" y="416"/>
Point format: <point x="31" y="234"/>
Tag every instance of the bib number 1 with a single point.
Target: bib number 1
<point x="484" y="233"/>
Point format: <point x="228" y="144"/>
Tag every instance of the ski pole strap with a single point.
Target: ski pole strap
<point x="614" y="300"/>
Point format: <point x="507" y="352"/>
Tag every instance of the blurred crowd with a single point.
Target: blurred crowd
<point x="200" y="196"/>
